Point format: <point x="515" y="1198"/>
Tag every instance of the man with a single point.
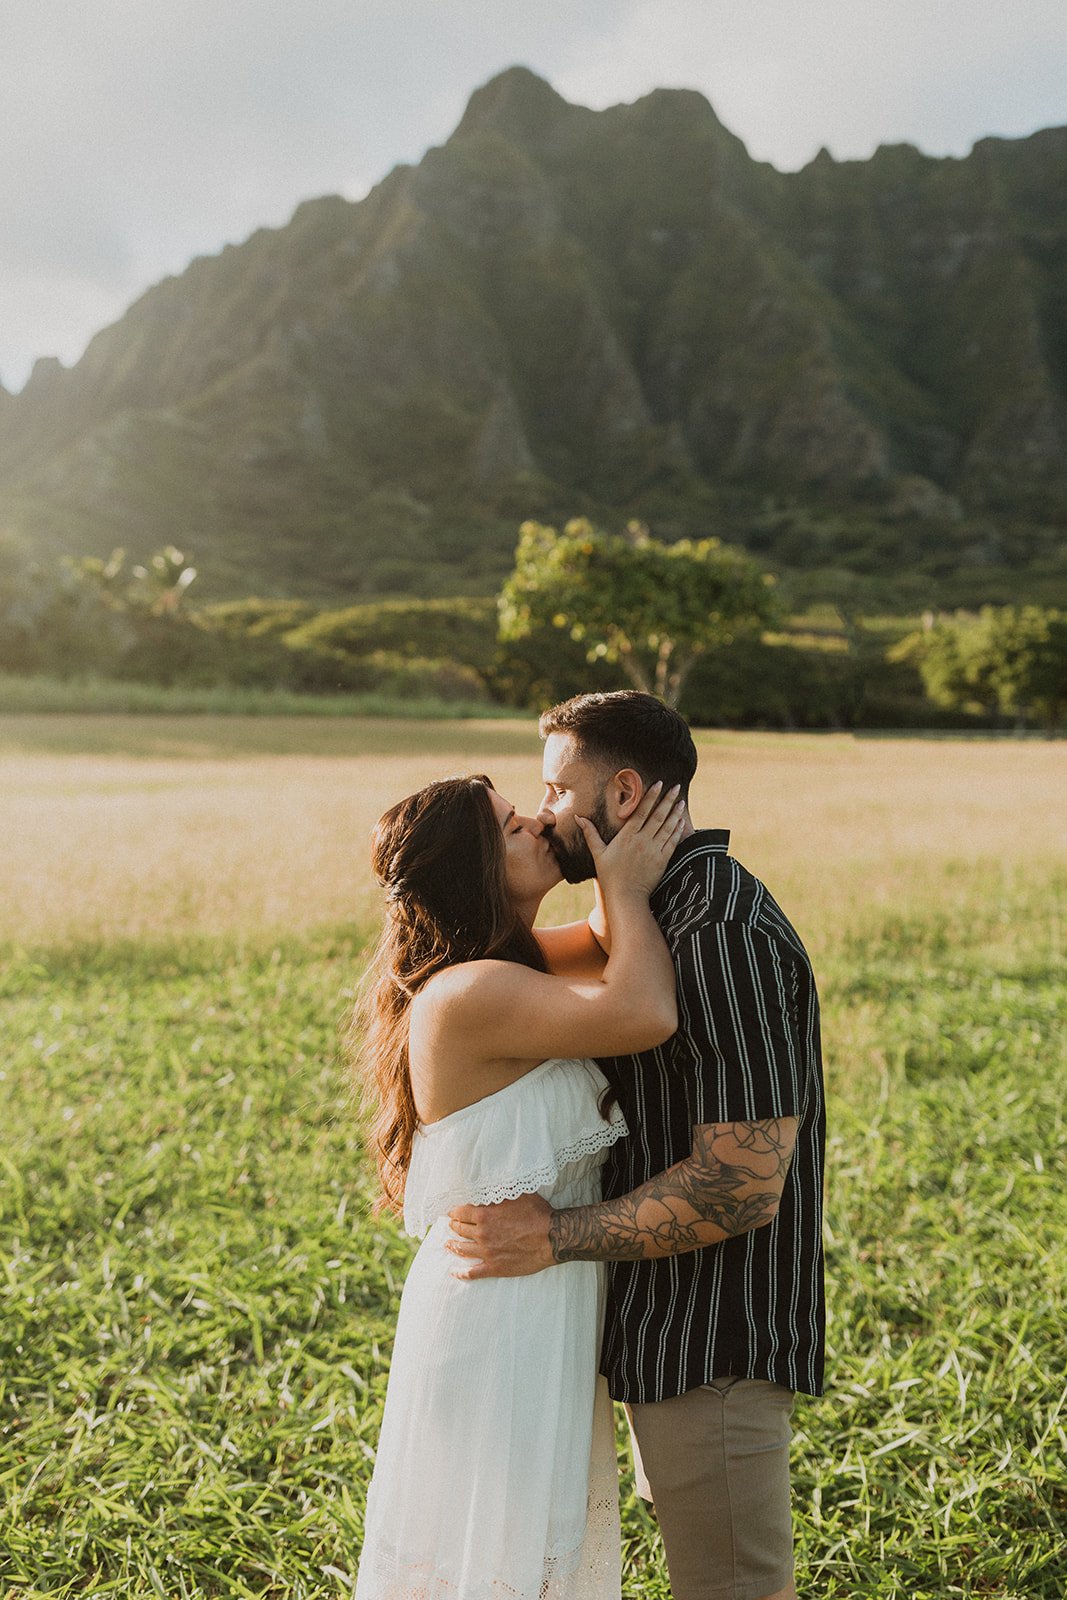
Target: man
<point x="712" y="1212"/>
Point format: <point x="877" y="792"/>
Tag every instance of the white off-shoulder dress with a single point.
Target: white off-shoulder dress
<point x="495" y="1476"/>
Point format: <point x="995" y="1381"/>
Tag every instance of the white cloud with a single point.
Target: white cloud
<point x="139" y="133"/>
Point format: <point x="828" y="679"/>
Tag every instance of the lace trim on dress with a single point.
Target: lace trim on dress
<point x="419" y="1220"/>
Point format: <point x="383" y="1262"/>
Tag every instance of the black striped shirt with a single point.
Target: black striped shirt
<point x="747" y="1049"/>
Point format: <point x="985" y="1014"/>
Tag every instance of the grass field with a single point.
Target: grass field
<point x="197" y="1301"/>
<point x="20" y="694"/>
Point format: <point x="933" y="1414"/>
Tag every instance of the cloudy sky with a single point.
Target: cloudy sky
<point x="139" y="133"/>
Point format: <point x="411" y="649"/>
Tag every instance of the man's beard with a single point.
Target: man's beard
<point x="576" y="860"/>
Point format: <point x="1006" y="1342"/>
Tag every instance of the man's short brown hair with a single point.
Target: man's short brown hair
<point x="628" y="729"/>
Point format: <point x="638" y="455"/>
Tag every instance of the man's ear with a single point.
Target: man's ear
<point x="627" y="788"/>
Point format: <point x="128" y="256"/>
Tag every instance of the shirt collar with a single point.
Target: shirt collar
<point x="704" y="842"/>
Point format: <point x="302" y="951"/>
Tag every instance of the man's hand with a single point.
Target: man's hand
<point x="508" y="1240"/>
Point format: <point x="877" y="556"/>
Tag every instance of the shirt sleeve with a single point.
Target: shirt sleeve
<point x="740" y="1003"/>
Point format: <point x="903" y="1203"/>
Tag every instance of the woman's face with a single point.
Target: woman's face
<point x="530" y="868"/>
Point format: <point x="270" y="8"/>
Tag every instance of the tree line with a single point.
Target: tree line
<point x="696" y="622"/>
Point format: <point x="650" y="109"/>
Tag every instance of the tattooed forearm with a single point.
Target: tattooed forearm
<point x="731" y="1184"/>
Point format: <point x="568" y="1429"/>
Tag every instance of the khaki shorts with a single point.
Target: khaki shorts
<point x="715" y="1464"/>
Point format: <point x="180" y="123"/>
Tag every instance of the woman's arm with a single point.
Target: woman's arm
<point x="597" y="922"/>
<point x="579" y="946"/>
<point x="572" y="951"/>
<point x="500" y="1010"/>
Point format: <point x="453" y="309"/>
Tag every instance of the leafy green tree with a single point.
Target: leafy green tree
<point x="652" y="608"/>
<point x="52" y="621"/>
<point x="458" y="630"/>
<point x="1029" y="649"/>
<point x="157" y="589"/>
<point x="1007" y="659"/>
<point x="255" y="618"/>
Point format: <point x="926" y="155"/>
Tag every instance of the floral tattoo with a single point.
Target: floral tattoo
<point x="730" y="1184"/>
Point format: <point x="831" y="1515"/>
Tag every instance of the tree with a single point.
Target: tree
<point x="156" y="590"/>
<point x="459" y="630"/>
<point x="50" y="619"/>
<point x="653" y="608"/>
<point x="1011" y="659"/>
<point x="1029" y="649"/>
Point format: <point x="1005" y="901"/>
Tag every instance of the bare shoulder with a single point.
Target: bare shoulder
<point x="461" y="1039"/>
<point x="470" y="985"/>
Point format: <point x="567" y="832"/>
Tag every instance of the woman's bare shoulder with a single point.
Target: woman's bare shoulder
<point x="457" y="1051"/>
<point x="474" y="983"/>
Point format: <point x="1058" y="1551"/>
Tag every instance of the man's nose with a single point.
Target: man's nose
<point x="545" y="817"/>
<point x="532" y="825"/>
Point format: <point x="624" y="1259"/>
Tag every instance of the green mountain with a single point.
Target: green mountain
<point x="860" y="366"/>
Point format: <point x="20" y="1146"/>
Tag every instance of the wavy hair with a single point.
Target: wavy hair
<point x="440" y="856"/>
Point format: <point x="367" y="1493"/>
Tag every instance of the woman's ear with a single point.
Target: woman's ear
<point x="629" y="786"/>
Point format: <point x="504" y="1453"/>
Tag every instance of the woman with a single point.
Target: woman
<point x="495" y="1474"/>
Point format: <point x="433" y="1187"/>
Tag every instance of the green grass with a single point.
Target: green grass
<point x="172" y="735"/>
<point x="198" y="1303"/>
<point x="19" y="695"/>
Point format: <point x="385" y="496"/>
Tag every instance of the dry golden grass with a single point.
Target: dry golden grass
<point x="154" y="827"/>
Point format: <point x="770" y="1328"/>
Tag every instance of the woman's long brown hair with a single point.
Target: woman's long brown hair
<point x="440" y="855"/>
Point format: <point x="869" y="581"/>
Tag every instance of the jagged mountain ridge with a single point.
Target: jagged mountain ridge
<point x="560" y="309"/>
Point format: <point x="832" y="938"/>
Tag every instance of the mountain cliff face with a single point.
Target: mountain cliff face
<point x="560" y="310"/>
